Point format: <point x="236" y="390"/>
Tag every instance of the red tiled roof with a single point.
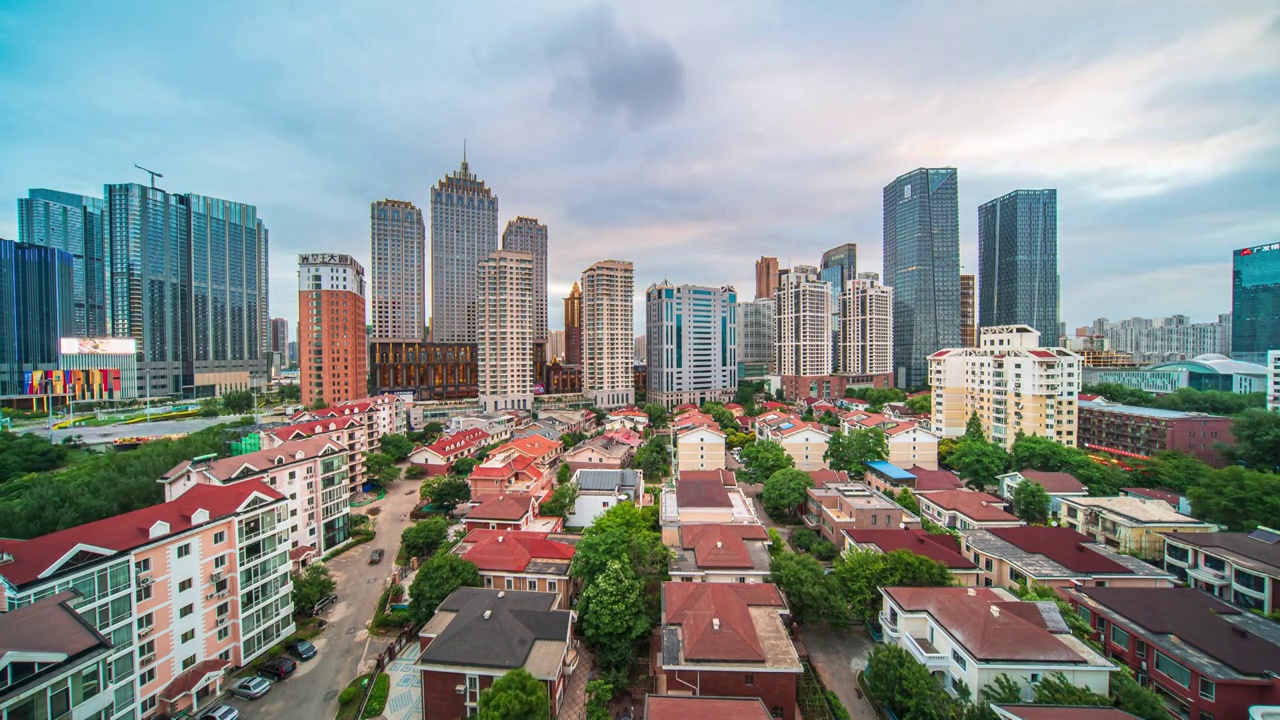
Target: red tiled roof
<point x="1173" y="498"/>
<point x="534" y="446"/>
<point x="1065" y="712"/>
<point x="192" y="677"/>
<point x="702" y="493"/>
<point x="626" y="436"/>
<point x="710" y="426"/>
<point x="721" y="546"/>
<point x="315" y="427"/>
<point x="703" y="707"/>
<point x="698" y="608"/>
<point x="462" y="440"/>
<point x="974" y="505"/>
<point x="261" y="460"/>
<point x="1042" y="353"/>
<point x="298" y="553"/>
<point x="128" y="530"/>
<point x="508" y="507"/>
<point x="1055" y="482"/>
<point x="930" y="480"/>
<point x="1086" y="397"/>
<point x="803" y="426"/>
<point x="940" y="353"/>
<point x="942" y="548"/>
<point x="726" y="477"/>
<point x="504" y="550"/>
<point x="1063" y="546"/>
<point x="821" y="478"/>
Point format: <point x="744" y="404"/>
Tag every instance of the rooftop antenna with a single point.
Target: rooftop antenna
<point x="152" y="173"/>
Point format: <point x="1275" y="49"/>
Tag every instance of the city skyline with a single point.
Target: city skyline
<point x="1132" y="173"/>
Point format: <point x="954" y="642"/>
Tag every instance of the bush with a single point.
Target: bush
<point x="804" y="539"/>
<point x="837" y="708"/>
<point x="377" y="698"/>
<point x="824" y="550"/>
<point x="346" y="696"/>
<point x="414" y="472"/>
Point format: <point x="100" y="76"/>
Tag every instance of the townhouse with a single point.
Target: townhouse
<point x="513" y="511"/>
<point x="544" y="451"/>
<point x="183" y="590"/>
<point x="720" y="553"/>
<point x="944" y="549"/>
<point x="887" y="477"/>
<point x="1206" y="659"/>
<point x="837" y="507"/>
<point x="703" y="497"/>
<point x="973" y="635"/>
<point x="348" y="431"/>
<point x="439" y="457"/>
<point x="626" y="417"/>
<point x="909" y="444"/>
<point x="805" y="442"/>
<point x="500" y="426"/>
<point x="710" y="707"/>
<point x="965" y="509"/>
<point x="1239" y="568"/>
<point x="1058" y="485"/>
<point x="509" y="471"/>
<point x="700" y="448"/>
<point x="600" y="452"/>
<point x="53" y="663"/>
<point x="600" y="489"/>
<point x="728" y="640"/>
<point x="1132" y="525"/>
<point x="1053" y="557"/>
<point x="515" y="560"/>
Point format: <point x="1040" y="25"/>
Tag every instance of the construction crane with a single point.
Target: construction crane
<point x="152" y="173"/>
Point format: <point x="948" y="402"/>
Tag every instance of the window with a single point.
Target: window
<point x="188" y="636"/>
<point x="184" y="550"/>
<point x="186" y="611"/>
<point x="143" y="565"/>
<point x="147" y="705"/>
<point x="146" y="621"/>
<point x="143" y="593"/>
<point x="1140" y="649"/>
<point x="1207" y="689"/>
<point x="1119" y="637"/>
<point x="219" y="537"/>
<point x="185" y="585"/>
<point x="748" y="679"/>
<point x="987" y="565"/>
<point x="147" y="676"/>
<point x="188" y="662"/>
<point x="553" y="586"/>
<point x="959" y="660"/>
<point x="511" y="584"/>
<point x="219" y="562"/>
<point x="1083" y="612"/>
<point x="1173" y="670"/>
<point x="1035" y="678"/>
<point x="224" y="633"/>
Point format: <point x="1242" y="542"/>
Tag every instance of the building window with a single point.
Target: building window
<point x="1207" y="689"/>
<point x="143" y="593"/>
<point x="749" y="679"/>
<point x="219" y="562"/>
<point x="147" y="705"/>
<point x="1119" y="637"/>
<point x="219" y="537"/>
<point x="1173" y="670"/>
<point x="511" y="583"/>
<point x="184" y="550"/>
<point x="1140" y="649"/>
<point x="146" y="621"/>
<point x="143" y="565"/>
<point x="188" y="636"/>
<point x="184" y="585"/>
<point x="186" y="664"/>
<point x="186" y="611"/>
<point x="223" y="633"/>
<point x="147" y="676"/>
<point x="959" y="660"/>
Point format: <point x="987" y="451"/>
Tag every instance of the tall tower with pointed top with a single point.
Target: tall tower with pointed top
<point x="464" y="231"/>
<point x="573" y="327"/>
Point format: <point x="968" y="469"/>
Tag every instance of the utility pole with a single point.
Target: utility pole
<point x="152" y="173"/>
<point x="48" y="401"/>
<point x="148" y="394"/>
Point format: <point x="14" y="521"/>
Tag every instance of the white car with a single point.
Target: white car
<point x="220" y="712"/>
<point x="251" y="688"/>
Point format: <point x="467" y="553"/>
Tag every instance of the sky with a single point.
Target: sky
<point x="689" y="138"/>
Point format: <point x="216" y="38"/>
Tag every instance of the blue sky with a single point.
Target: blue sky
<point x="689" y="138"/>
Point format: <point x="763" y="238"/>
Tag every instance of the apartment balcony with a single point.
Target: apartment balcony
<point x="924" y="652"/>
<point x="1212" y="577"/>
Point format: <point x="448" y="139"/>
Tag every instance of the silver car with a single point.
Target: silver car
<point x="251" y="688"/>
<point x="220" y="712"/>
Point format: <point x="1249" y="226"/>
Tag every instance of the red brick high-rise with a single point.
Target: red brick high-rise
<point x="332" y="347"/>
<point x="573" y="327"/>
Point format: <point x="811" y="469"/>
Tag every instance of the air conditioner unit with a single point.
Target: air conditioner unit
<point x="148" y="659"/>
<point x="460" y="689"/>
<point x="146" y="631"/>
<point x="222" y="620"/>
<point x="144" y="580"/>
<point x="211" y="596"/>
<point x="222" y="594"/>
<point x="215" y="577"/>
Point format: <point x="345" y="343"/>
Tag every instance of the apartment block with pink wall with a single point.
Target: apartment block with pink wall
<point x="381" y="415"/>
<point x="1053" y="557"/>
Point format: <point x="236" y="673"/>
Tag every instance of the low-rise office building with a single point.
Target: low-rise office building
<point x="1240" y="568"/>
<point x="1141" y="432"/>
<point x="965" y="509"/>
<point x="1133" y="525"/>
<point x="1053" y="557"/>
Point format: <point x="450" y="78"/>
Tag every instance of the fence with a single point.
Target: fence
<point x="385" y="658"/>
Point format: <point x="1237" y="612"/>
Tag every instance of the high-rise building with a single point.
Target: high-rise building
<point x="766" y="277"/>
<point x="397" y="268"/>
<point x="525" y="234"/>
<point x="1018" y="261"/>
<point x="73" y="223"/>
<point x="331" y="335"/>
<point x="279" y="335"/>
<point x="803" y="320"/>
<point x="37" y="308"/>
<point x="642" y="350"/>
<point x="1255" y="303"/>
<point x="608" y="340"/>
<point x="423" y="371"/>
<point x="839" y="266"/>
<point x="464" y="231"/>
<point x="922" y="265"/>
<point x="555" y="346"/>
<point x="573" y="327"/>
<point x="968" y="310"/>
<point x="293" y="352"/>
<point x="866" y="327"/>
<point x="757" y="333"/>
<point x="693" y="343"/>
<point x="1156" y="340"/>
<point x="1273" y="380"/>
<point x="1011" y="383"/>
<point x="504" y="330"/>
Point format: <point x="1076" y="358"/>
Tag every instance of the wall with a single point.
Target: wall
<point x="775" y="689"/>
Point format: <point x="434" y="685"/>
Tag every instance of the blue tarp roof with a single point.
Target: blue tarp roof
<point x="889" y="470"/>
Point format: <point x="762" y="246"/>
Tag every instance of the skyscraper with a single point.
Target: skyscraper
<point x="1018" y="262"/>
<point x="922" y="265"/>
<point x="766" y="277"/>
<point x="37" y="304"/>
<point x="334" y="354"/>
<point x="464" y="231"/>
<point x="839" y="266"/>
<point x="397" y="266"/>
<point x="573" y="327"/>
<point x="866" y="327"/>
<point x="757" y="331"/>
<point x="804" y="324"/>
<point x="608" y="339"/>
<point x="73" y="223"/>
<point x="504" y="331"/>
<point x="555" y="346"/>
<point x="279" y="335"/>
<point x="693" y="343"/>
<point x="968" y="310"/>
<point x="1255" y="303"/>
<point x="526" y="234"/>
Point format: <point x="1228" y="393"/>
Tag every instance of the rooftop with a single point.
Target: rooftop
<point x="478" y="627"/>
<point x="1140" y="411"/>
<point x="977" y="506"/>
<point x="512" y="551"/>
<point x="932" y="480"/>
<point x="725" y="623"/>
<point x="1258" y="550"/>
<point x="702" y="493"/>
<point x="854" y="495"/>
<point x="1056" y="552"/>
<point x="890" y="471"/>
<point x="942" y="548"/>
<point x="825" y="476"/>
<point x="507" y="507"/>
<point x="606" y="480"/>
<point x="721" y="547"/>
<point x="1061" y="712"/>
<point x="724" y="477"/>
<point x="703" y="707"/>
<point x="315" y="427"/>
<point x="1170" y="496"/>
<point x="1138" y="509"/>
<point x="47" y="631"/>
<point x="260" y="461"/>
<point x="1054" y="482"/>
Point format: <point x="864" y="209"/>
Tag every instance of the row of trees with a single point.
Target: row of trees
<point x="1214" y="402"/>
<point x="21" y="454"/>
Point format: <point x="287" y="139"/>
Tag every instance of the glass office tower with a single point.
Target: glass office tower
<point x="73" y="223"/>
<point x="1018" y="262"/>
<point x="1255" y="303"/>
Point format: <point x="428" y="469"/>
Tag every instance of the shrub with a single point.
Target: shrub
<point x="378" y="698"/>
<point x="346" y="696"/>
<point x="837" y="708"/>
<point x="804" y="539"/>
<point x="414" y="472"/>
<point x="824" y="550"/>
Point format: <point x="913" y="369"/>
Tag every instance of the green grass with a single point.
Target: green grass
<point x="348" y="710"/>
<point x="378" y="698"/>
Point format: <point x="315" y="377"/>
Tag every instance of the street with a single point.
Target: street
<point x="837" y="656"/>
<point x="312" y="691"/>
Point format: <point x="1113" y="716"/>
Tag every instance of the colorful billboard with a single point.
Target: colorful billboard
<point x="80" y="384"/>
<point x="98" y="346"/>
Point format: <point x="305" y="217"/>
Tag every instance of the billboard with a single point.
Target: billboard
<point x="98" y="346"/>
<point x="80" y="384"/>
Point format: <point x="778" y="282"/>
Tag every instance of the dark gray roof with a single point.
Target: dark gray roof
<point x="1250" y="549"/>
<point x="606" y="480"/>
<point x="503" y="640"/>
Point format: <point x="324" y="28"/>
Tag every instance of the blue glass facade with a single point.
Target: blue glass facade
<point x="36" y="309"/>
<point x="1018" y="262"/>
<point x="1255" y="302"/>
<point x="73" y="223"/>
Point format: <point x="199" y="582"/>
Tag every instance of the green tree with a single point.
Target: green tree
<point x="897" y="681"/>
<point x="425" y="536"/>
<point x="462" y="467"/>
<point x="319" y="404"/>
<point x="237" y="401"/>
<point x="561" y="502"/>
<point x="290" y="393"/>
<point x="209" y="408"/>
<point x="1041" y="453"/>
<point x="397" y="447"/>
<point x="738" y="439"/>
<point x="624" y="532"/>
<point x="907" y="500"/>
<point x="1056" y="689"/>
<point x="1117" y="393"/>
<point x="29" y="453"/>
<point x="860" y="574"/>
<point x="612" y="614"/>
<point x="415" y="472"/>
<point x="722" y="415"/>
<point x="515" y="695"/>
<point x="979" y="462"/>
<point x="784" y="492"/>
<point x="571" y="439"/>
<point x="776" y="544"/>
<point x="599" y="695"/>
<point x="922" y="404"/>
<point x="1238" y="498"/>
<point x="1171" y="469"/>
<point x="1002" y="690"/>
<point x="658" y="417"/>
<point x="810" y="592"/>
<point x="654" y="458"/>
<point x="1031" y="502"/>
<point x="946" y="451"/>
<point x="807" y="415"/>
<point x="375" y="463"/>
<point x="973" y="429"/>
<point x="311" y="586"/>
<point x="762" y="459"/>
<point x="829" y="419"/>
<point x="1257" y="445"/>
<point x="449" y="493"/>
<point x="850" y="452"/>
<point x="564" y="473"/>
<point x="803" y="539"/>
<point x="436" y="580"/>
<point x="1133" y="698"/>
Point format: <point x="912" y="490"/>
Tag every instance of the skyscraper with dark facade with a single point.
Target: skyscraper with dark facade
<point x="279" y="335"/>
<point x="73" y="223"/>
<point x="573" y="327"/>
<point x="1255" y="302"/>
<point x="922" y="265"/>
<point x="464" y="231"/>
<point x="1018" y="262"/>
<point x="968" y="310"/>
<point x="525" y="234"/>
<point x="397" y="264"/>
<point x="36" y="310"/>
<point x="839" y="265"/>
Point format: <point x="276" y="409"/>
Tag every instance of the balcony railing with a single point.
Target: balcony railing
<point x="925" y="652"/>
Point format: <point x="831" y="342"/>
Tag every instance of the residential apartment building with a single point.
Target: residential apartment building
<point x="439" y="457"/>
<point x="604" y="452"/>
<point x="866" y="328"/>
<point x="397" y="265"/>
<point x="941" y="548"/>
<point x="464" y="231"/>
<point x="347" y="432"/>
<point x="720" y="554"/>
<point x="803" y="308"/>
<point x="805" y="442"/>
<point x="1018" y="261"/>
<point x="727" y="640"/>
<point x="909" y="444"/>
<point x="971" y="636"/>
<point x="968" y="310"/>
<point x="425" y="371"/>
<point x="331" y="332"/>
<point x="757" y="333"/>
<point x="1165" y="339"/>
<point x="1239" y="568"/>
<point x="1204" y="658"/>
<point x="522" y="561"/>
<point x="72" y="223"/>
<point x="1134" y="525"/>
<point x="527" y="235"/>
<point x="600" y="489"/>
<point x="1012" y="384"/>
<point x="922" y="265"/>
<point x="692" y="342"/>
<point x="573" y="327"/>
<point x="183" y="590"/>
<point x="1053" y="557"/>
<point x="36" y="309"/>
<point x="702" y="497"/>
<point x="504" y="331"/>
<point x="378" y="416"/>
<point x="837" y="507"/>
<point x="766" y="277"/>
<point x="1140" y="432"/>
<point x="965" y="510"/>
<point x="700" y="448"/>
<point x="608" y="336"/>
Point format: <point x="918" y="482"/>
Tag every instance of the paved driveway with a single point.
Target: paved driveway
<point x="312" y="691"/>
<point x="836" y="657"/>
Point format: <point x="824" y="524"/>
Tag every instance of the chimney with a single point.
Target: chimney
<point x="487" y="613"/>
<point x="995" y="611"/>
<point x="715" y="624"/>
<point x="719" y="545"/>
<point x="502" y="593"/>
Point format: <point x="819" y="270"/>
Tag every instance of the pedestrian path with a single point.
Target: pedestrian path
<point x="404" y="702"/>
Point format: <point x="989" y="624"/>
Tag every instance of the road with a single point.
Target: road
<point x="107" y="433"/>
<point x="312" y="691"/>
<point x="837" y="657"/>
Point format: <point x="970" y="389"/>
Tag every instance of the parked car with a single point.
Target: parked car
<point x="251" y="688"/>
<point x="301" y="649"/>
<point x="221" y="712"/>
<point x="375" y="557"/>
<point x="325" y="603"/>
<point x="278" y="669"/>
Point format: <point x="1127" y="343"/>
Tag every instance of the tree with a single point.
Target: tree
<point x="561" y="502"/>
<point x="237" y="401"/>
<point x="449" y="493"/>
<point x="654" y="459"/>
<point x="907" y="500"/>
<point x="807" y="415"/>
<point x="776" y="544"/>
<point x="28" y="453"/>
<point x="946" y="451"/>
<point x="375" y="463"/>
<point x="1056" y="689"/>
<point x="1031" y="502"/>
<point x="850" y="452"/>
<point x="1257" y="441"/>
<point x="784" y="492"/>
<point x="803" y="539"/>
<point x="973" y="429"/>
<point x="860" y="574"/>
<point x="570" y="439"/>
<point x="209" y="408"/>
<point x="436" y="580"/>
<point x="311" y="586"/>
<point x="515" y="695"/>
<point x="564" y="473"/>
<point x="897" y="681"/>
<point x="290" y="393"/>
<point x="319" y="404"/>
<point x="829" y="419"/>
<point x="921" y="404"/>
<point x="657" y="413"/>
<point x="979" y="462"/>
<point x="1041" y="453"/>
<point x="624" y="532"/>
<point x="1171" y="469"/>
<point x="462" y="467"/>
<point x="612" y="614"/>
<point x="1117" y="393"/>
<point x="599" y="695"/>
<point x="738" y="439"/>
<point x="1131" y="697"/>
<point x="424" y="537"/>
<point x="810" y="592"/>
<point x="1238" y="498"/>
<point x="397" y="447"/>
<point x="1002" y="690"/>
<point x="762" y="459"/>
<point x="414" y="472"/>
